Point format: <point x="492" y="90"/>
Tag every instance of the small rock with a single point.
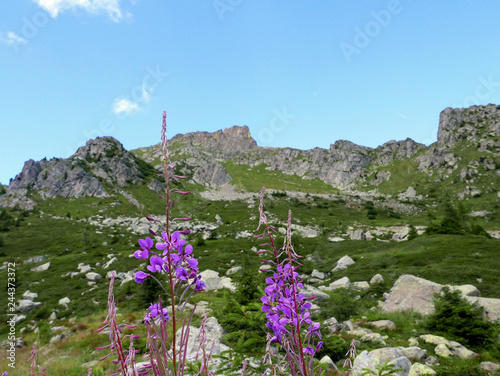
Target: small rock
<point x="418" y="369"/>
<point x="30" y="295"/>
<point x="56" y="329"/>
<point x="106" y="265"/>
<point x="361" y="286"/>
<point x="339" y="283"/>
<point x="377" y="278"/>
<point x="93" y="276"/>
<point x="233" y="270"/>
<point x="343" y="263"/>
<point x="336" y="239"/>
<point x="34" y="260"/>
<point x="60" y="337"/>
<point x="317" y="274"/>
<point x="431" y="360"/>
<point x="85" y="268"/>
<point x="41" y="268"/>
<point x="383" y="324"/>
<point x="64" y="302"/>
<point x="327" y="360"/>
<point x="26" y="306"/>
<point x="373" y="337"/>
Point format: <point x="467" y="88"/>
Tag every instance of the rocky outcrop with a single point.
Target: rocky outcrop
<point x="107" y="159"/>
<point x="471" y="124"/>
<point x="229" y="139"/>
<point x="101" y="161"/>
<point x="57" y="177"/>
<point x="414" y="293"/>
<point x="394" y="150"/>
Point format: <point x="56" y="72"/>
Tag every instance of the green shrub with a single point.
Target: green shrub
<point x="462" y="370"/>
<point x="457" y="319"/>
<point x="334" y="346"/>
<point x="412" y="234"/>
<point x="342" y="305"/>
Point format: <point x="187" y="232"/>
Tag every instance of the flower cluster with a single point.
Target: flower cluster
<point x="155" y="312"/>
<point x="285" y="307"/>
<point x="176" y="257"/>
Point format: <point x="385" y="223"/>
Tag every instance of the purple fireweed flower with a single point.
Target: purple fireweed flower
<point x="157" y="264"/>
<point x="181" y="273"/>
<point x="140" y="277"/>
<point x="155" y="312"/>
<point x="308" y="350"/>
<point x="145" y="245"/>
<point x="199" y="285"/>
<point x="171" y="244"/>
<point x="192" y="264"/>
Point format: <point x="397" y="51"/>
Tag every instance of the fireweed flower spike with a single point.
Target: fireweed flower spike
<point x="34" y="368"/>
<point x="286" y="308"/>
<point x="174" y="261"/>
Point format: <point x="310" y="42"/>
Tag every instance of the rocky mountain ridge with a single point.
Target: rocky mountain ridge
<point x="102" y="167"/>
<point x="344" y="165"/>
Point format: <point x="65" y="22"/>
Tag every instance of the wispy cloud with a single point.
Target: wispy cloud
<point x="12" y="38"/>
<point x="110" y="7"/>
<point x="124" y="107"/>
<point x="127" y="106"/>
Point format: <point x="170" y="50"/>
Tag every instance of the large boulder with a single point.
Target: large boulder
<point x="411" y="293"/>
<point x="311" y="291"/>
<point x="213" y="334"/>
<point x="370" y="360"/>
<point x="414" y="293"/>
<point x="214" y="282"/>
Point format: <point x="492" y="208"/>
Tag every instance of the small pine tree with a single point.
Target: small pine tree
<point x="454" y="316"/>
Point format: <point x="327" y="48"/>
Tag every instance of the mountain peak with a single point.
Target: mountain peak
<point x="230" y="139"/>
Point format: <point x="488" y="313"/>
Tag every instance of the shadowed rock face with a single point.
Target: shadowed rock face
<point x="57" y="177"/>
<point x="100" y="160"/>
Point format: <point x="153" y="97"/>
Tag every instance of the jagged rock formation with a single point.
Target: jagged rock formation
<point x="101" y="161"/>
<point x="477" y="125"/>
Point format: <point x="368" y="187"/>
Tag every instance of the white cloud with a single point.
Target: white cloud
<point x="111" y="7"/>
<point x="124" y="107"/>
<point x="12" y="38"/>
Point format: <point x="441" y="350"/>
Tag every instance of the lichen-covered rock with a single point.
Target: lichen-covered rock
<point x="419" y="369"/>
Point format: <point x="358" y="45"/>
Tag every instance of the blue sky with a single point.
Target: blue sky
<point x="299" y="74"/>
